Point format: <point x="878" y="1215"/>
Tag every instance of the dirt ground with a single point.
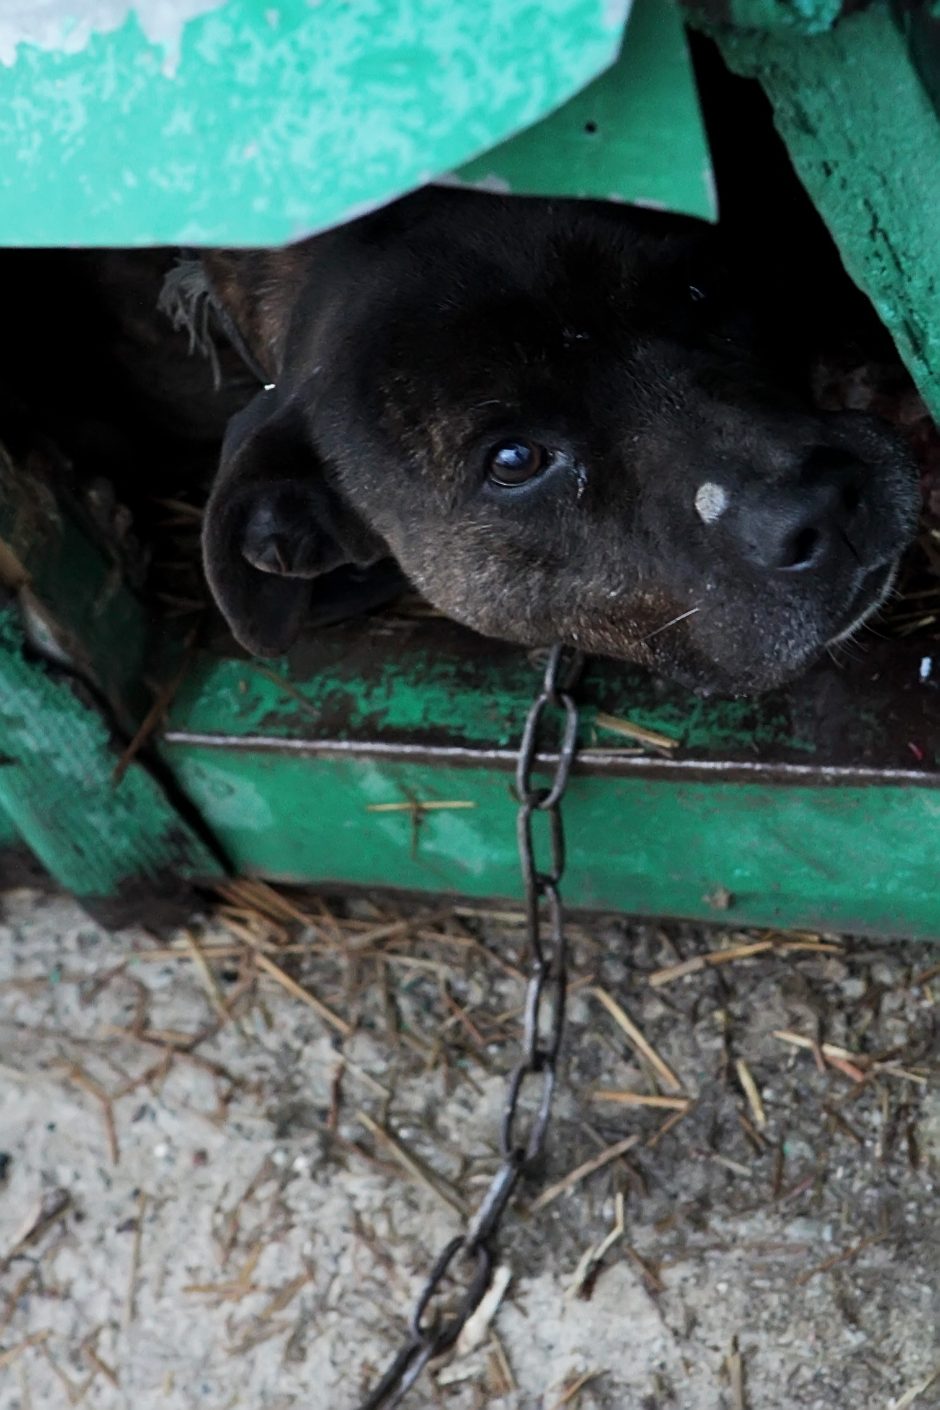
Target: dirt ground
<point x="214" y="1194"/>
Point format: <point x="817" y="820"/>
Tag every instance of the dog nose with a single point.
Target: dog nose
<point x="796" y="526"/>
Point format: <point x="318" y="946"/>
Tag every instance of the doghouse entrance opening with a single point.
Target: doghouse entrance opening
<point x="796" y="806"/>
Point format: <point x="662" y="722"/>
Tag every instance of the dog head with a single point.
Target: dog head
<point x="566" y="422"/>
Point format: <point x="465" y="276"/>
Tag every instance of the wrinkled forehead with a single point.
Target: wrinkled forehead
<point x="534" y="301"/>
<point x="478" y="333"/>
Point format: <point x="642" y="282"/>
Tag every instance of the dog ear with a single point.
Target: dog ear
<point x="253" y="294"/>
<point x="272" y="525"/>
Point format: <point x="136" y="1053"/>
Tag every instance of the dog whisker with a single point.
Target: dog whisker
<point x="666" y="625"/>
<point x="850" y="648"/>
<point x="839" y="654"/>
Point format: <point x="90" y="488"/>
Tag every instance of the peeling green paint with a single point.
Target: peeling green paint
<point x="417" y="692"/>
<point x="763" y="798"/>
<point x="279" y="119"/>
<point x="58" y="758"/>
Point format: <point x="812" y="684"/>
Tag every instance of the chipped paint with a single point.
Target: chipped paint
<point x="755" y="794"/>
<point x="68" y="25"/>
<point x="202" y="139"/>
<point x="270" y="122"/>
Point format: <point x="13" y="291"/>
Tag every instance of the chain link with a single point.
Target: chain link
<point x="431" y="1331"/>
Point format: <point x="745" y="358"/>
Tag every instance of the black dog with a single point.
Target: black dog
<point x="565" y="421"/>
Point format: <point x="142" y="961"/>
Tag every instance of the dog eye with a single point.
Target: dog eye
<point x="514" y="462"/>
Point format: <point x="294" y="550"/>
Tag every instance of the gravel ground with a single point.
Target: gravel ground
<point x="203" y="1201"/>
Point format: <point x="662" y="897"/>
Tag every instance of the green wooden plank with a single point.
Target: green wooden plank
<point x="803" y="17"/>
<point x="439" y="686"/>
<point x="851" y="858"/>
<point x="74" y="642"/>
<point x="101" y="840"/>
<point x="865" y="140"/>
<point x="421" y="694"/>
<point x="71" y="591"/>
<point x="201" y="122"/>
<point x="814" y="806"/>
<point x="634" y="134"/>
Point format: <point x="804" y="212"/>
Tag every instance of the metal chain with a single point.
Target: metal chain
<point x="467" y="1261"/>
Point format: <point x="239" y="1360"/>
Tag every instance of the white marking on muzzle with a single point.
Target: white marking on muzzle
<point x="711" y="501"/>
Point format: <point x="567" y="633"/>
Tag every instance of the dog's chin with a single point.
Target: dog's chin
<point x="873" y="591"/>
<point x="776" y="668"/>
<point x="740" y="682"/>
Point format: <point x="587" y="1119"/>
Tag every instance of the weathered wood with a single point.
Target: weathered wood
<point x="815" y="806"/>
<point x="73" y="640"/>
<point x="864" y="137"/>
<point x="228" y="122"/>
